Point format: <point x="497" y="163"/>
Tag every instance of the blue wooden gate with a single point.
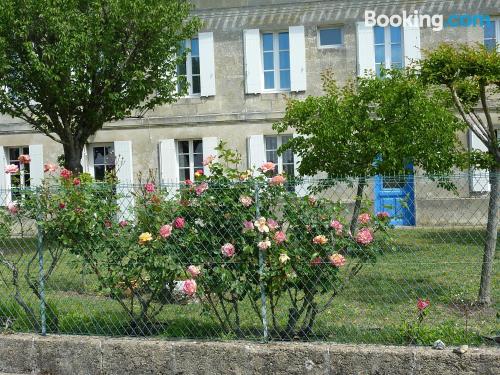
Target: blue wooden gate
<point x="396" y="195"/>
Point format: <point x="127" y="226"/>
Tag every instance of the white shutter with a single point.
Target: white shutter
<point x="209" y="145"/>
<point x="85" y="160"/>
<point x="125" y="175"/>
<point x="256" y="151"/>
<point x="207" y="63"/>
<point x="480" y="181"/>
<point x="302" y="188"/>
<point x="253" y="61"/>
<point x="4" y="178"/>
<point x="365" y="48"/>
<point x="411" y="40"/>
<point x="297" y="58"/>
<point x="36" y="165"/>
<point x="169" y="165"/>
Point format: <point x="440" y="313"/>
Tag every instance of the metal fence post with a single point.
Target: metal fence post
<point x="262" y="262"/>
<point x="39" y="249"/>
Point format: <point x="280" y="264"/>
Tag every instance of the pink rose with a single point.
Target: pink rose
<point x="246" y="201"/>
<point x="193" y="271"/>
<point x="227" y="250"/>
<point x="278" y="180"/>
<point x="264" y="245"/>
<point x="337" y="225"/>
<point x="201" y="188"/>
<point x="62" y="205"/>
<point x="179" y="223"/>
<point x="49" y="167"/>
<point x="189" y="287"/>
<point x="208" y="160"/>
<point x="272" y="224"/>
<point x="198" y="173"/>
<point x="316" y="261"/>
<point x="383" y="215"/>
<point x="11" y="168"/>
<point x="65" y="173"/>
<point x="123" y="223"/>
<point x="364" y="236"/>
<point x="13" y="208"/>
<point x="247" y="226"/>
<point x="188" y="182"/>
<point x="320" y="240"/>
<point x="149" y="187"/>
<point x="268" y="166"/>
<point x="76" y="181"/>
<point x="280" y="237"/>
<point x="423" y="304"/>
<point x="24" y="159"/>
<point x="165" y="231"/>
<point x="337" y="260"/>
<point x="364" y="218"/>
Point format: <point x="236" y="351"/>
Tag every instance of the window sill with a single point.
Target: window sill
<point x="332" y="47"/>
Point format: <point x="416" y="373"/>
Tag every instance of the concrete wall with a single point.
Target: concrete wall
<point x="70" y="355"/>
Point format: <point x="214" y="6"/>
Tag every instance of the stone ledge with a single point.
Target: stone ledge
<point x="65" y="355"/>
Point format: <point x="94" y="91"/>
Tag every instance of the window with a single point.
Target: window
<point x="492" y="33"/>
<point x="190" y="156"/>
<point x="276" y="57"/>
<point x="285" y="162"/>
<point x="388" y="50"/>
<point x="103" y="160"/>
<point x="190" y="68"/>
<point x="331" y="37"/>
<point x="21" y="179"/>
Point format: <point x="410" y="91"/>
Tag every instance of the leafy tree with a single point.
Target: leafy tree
<point x="472" y="76"/>
<point x="69" y="66"/>
<point x="374" y="125"/>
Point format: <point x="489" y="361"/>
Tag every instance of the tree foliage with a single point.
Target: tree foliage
<point x="69" y="66"/>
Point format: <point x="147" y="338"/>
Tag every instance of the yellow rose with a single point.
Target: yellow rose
<point x="145" y="237"/>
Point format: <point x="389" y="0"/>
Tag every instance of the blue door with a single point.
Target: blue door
<point x="396" y="195"/>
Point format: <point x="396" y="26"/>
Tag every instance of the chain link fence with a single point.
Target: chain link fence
<point x="261" y="259"/>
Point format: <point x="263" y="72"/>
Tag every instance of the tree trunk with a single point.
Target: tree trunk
<point x="491" y="237"/>
<point x="73" y="157"/>
<point x="357" y="204"/>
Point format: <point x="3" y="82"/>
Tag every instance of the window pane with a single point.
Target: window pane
<point x="284" y="60"/>
<point x="380" y="54"/>
<point x="489" y="30"/>
<point x="198" y="161"/>
<point x="289" y="170"/>
<point x="184" y="161"/>
<point x="195" y="61"/>
<point x="26" y="150"/>
<point x="99" y="172"/>
<point x="13" y="154"/>
<point x="195" y="50"/>
<point x="183" y="147"/>
<point x="379" y="34"/>
<point x="272" y="156"/>
<point x="268" y="60"/>
<point x="184" y="174"/>
<point x="396" y="65"/>
<point x="26" y="168"/>
<point x="395" y="182"/>
<point x="98" y="155"/>
<point x="269" y="80"/>
<point x="267" y="42"/>
<point x="396" y="54"/>
<point x="395" y="34"/>
<point x="378" y="68"/>
<point x="271" y="143"/>
<point x="288" y="157"/>
<point x="490" y="44"/>
<point x="284" y="79"/>
<point x="283" y="41"/>
<point x="196" y="85"/>
<point x="198" y="146"/>
<point x="330" y="37"/>
<point x="181" y="69"/>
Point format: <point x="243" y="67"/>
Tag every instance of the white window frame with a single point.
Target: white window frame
<point x="91" y="156"/>
<point x="388" y="49"/>
<point x="330" y="46"/>
<point x="279" y="143"/>
<point x="23" y="181"/>
<point x="189" y="69"/>
<point x="191" y="154"/>
<point x="276" y="62"/>
<point x="496" y="21"/>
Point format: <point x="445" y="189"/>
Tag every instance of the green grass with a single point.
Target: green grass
<point x="440" y="264"/>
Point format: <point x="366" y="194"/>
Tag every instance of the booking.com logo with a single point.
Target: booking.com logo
<point x="436" y="21"/>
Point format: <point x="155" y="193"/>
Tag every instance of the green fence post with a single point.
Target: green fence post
<point x="39" y="249"/>
<point x="262" y="262"/>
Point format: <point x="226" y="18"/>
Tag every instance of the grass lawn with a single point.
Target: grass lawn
<point x="440" y="264"/>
